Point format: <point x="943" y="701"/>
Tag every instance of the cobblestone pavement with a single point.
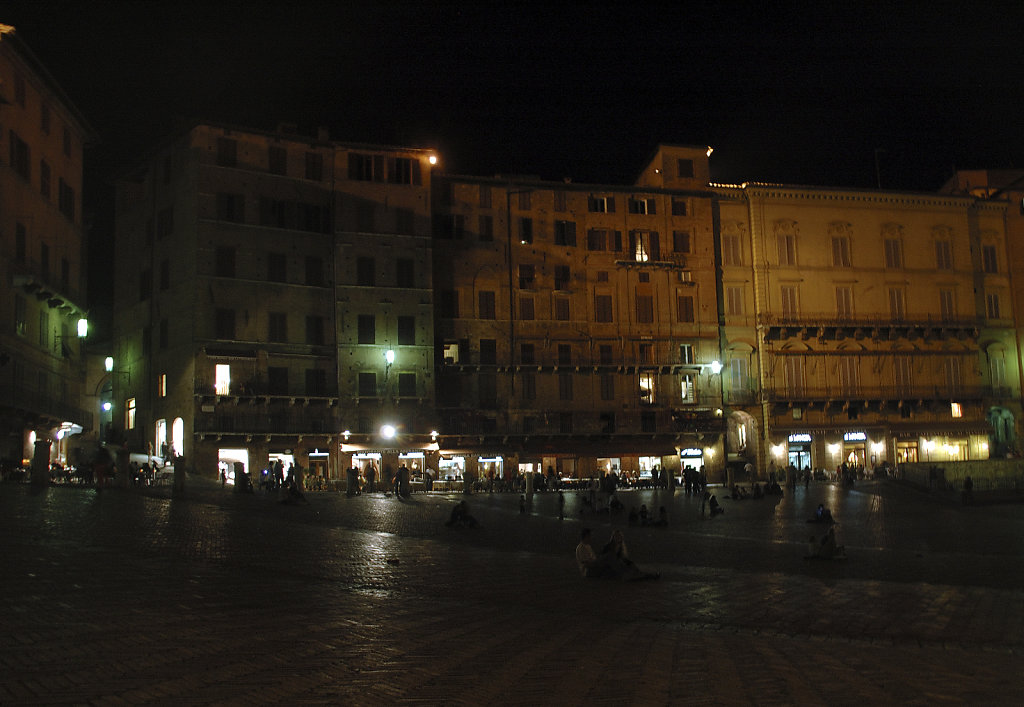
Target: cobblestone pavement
<point x="128" y="596"/>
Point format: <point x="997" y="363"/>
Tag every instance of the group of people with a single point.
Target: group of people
<point x="612" y="562"/>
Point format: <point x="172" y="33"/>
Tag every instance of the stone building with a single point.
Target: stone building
<point x="866" y="326"/>
<point x="42" y="268"/>
<point x="262" y="277"/>
<point x="577" y="323"/>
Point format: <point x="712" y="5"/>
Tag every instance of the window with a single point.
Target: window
<point x="601" y="204"/>
<point x="643" y="276"/>
<point x="367" y="329"/>
<point x="485" y="196"/>
<point x="365" y="168"/>
<point x="222" y="379"/>
<point x="20" y="326"/>
<point x="731" y="254"/>
<point x="893" y="253"/>
<point x="794" y="375"/>
<point x="66" y="199"/>
<point x="44" y="178"/>
<point x="277" y="158"/>
<point x="20" y="156"/>
<point x="565" y="386"/>
<point x="526" y="277"/>
<point x="639" y="205"/>
<point x="564" y="355"/>
<point x="787" y="249"/>
<point x="790" y="296"/>
<point x="840" y="251"/>
<point x="647" y="388"/>
<point x="277" y="267"/>
<point x="645" y="353"/>
<point x="680" y="241"/>
<point x="562" y="277"/>
<point x="485" y="301"/>
<point x="316" y="381"/>
<point x="44" y="330"/>
<point x="902" y="372"/>
<point x="129" y="414"/>
<point x="488" y="352"/>
<point x="565" y="233"/>
<point x="686" y="353"/>
<point x="405" y="272"/>
<point x="687" y="388"/>
<point x="224" y="261"/>
<point x="224" y="323"/>
<point x="526" y="311"/>
<point x="365" y="271"/>
<point x="528" y="386"/>
<point x="367" y="385"/>
<point x="230" y="207"/>
<point x="562" y="309"/>
<point x="448" y="304"/>
<point x="738" y="374"/>
<point x="684" y="308"/>
<point x="565" y="423"/>
<point x="992" y="305"/>
<point x="227" y="152"/>
<point x="407" y="385"/>
<point x="943" y="255"/>
<point x="560" y="201"/>
<point x="314" y="330"/>
<point x="603" y="308"/>
<point x="451" y="352"/>
<point x="848" y="378"/>
<point x="526" y="354"/>
<point x="897" y="304"/>
<point x="314" y="166"/>
<point x="947" y="305"/>
<point x="597" y="239"/>
<point x="645" y="309"/>
<point x="314" y="271"/>
<point x="602" y="276"/>
<point x="679" y="206"/>
<point x="607" y="386"/>
<point x="685" y="169"/>
<point x="161" y="385"/>
<point x="643" y="246"/>
<point x="277" y="331"/>
<point x="956" y="410"/>
<point x="525" y="230"/>
<point x="989" y="260"/>
<point x="844" y="302"/>
<point x="485" y="226"/>
<point x="406" y="330"/>
<point x="997" y="370"/>
<point x="954" y="375"/>
<point x="403" y="170"/>
<point x="734" y="301"/>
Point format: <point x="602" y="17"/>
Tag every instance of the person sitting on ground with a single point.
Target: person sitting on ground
<point x="714" y="506"/>
<point x="618" y="559"/>
<point x="662" y="520"/>
<point x="643" y="514"/>
<point x="634" y="516"/>
<point x="822" y="515"/>
<point x="829" y="550"/>
<point x="758" y="492"/>
<point x="292" y="493"/>
<point x="460" y="516"/>
<point x="587" y="560"/>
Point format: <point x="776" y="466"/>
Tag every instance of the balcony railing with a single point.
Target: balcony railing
<point x="881" y="393"/>
<point x="23" y="398"/>
<point x="829" y="325"/>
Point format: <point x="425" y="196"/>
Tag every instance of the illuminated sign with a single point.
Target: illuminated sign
<point x="855" y="436"/>
<point x="691" y="452"/>
<point x="800" y="438"/>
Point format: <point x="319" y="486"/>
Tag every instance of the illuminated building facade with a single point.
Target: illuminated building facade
<point x="42" y="269"/>
<point x="867" y="326"/>
<point x="261" y="279"/>
<point x="577" y="324"/>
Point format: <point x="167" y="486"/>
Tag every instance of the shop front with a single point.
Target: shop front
<point x="798" y="454"/>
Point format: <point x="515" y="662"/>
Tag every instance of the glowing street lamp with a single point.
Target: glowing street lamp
<point x="387" y="431"/>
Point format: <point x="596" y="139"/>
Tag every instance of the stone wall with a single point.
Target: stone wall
<point x="987" y="474"/>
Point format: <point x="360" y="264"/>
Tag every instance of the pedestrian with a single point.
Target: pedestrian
<point x="522" y="504"/>
<point x="561" y="505"/>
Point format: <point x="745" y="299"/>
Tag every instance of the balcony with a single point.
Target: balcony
<point x="828" y="326"/>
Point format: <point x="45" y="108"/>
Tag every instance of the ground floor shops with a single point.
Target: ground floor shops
<point x="868" y="449"/>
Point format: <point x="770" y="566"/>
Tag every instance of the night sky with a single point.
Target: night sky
<point x="805" y="93"/>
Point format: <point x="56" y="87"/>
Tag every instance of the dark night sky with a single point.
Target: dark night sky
<point x="789" y="92"/>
